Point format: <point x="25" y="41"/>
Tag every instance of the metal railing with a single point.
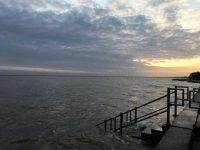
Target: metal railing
<point x="130" y="117"/>
<point x="192" y="97"/>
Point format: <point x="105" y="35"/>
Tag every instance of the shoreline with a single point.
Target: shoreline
<point x="186" y="79"/>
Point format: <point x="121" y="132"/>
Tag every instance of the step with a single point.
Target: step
<point x="156" y="136"/>
<point x="146" y="134"/>
<point x="136" y="134"/>
<point x="152" y="135"/>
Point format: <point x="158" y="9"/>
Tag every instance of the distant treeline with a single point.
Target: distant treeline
<point x="194" y="76"/>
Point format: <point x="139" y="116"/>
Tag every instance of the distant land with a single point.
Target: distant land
<point x="193" y="77"/>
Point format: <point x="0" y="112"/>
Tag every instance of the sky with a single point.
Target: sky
<point x="100" y="37"/>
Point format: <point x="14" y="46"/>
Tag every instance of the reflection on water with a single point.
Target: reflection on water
<point x="134" y="98"/>
<point x="61" y="112"/>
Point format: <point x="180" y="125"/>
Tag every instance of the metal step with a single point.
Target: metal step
<point x="156" y="136"/>
<point x="146" y="134"/>
<point x="152" y="135"/>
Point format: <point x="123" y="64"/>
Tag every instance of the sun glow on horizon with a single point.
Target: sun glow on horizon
<point x="171" y="63"/>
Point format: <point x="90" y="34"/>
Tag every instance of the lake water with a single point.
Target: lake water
<point x="47" y="113"/>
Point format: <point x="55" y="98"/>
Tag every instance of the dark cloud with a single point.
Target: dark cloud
<point x="86" y="38"/>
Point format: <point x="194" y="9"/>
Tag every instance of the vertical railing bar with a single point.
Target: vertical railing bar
<point x="110" y="124"/>
<point x="193" y="95"/>
<point x="189" y="98"/>
<point x="135" y="114"/>
<point x="105" y="125"/>
<point x="115" y="124"/>
<point x="168" y="106"/>
<point x="121" y="123"/>
<point x="183" y="97"/>
<point x="175" y="102"/>
<point x="130" y="116"/>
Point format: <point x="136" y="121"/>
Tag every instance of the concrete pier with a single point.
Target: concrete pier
<point x="179" y="135"/>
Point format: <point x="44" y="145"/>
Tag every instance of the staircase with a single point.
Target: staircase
<point x="176" y="96"/>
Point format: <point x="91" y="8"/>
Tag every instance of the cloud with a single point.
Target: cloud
<point x="189" y="19"/>
<point x="84" y="35"/>
<point x="38" y="69"/>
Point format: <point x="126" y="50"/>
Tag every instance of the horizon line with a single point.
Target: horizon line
<point x="59" y="75"/>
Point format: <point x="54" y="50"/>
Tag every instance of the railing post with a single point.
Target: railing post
<point x="193" y="95"/>
<point x="110" y="124"/>
<point x="188" y="93"/>
<point x="135" y="114"/>
<point x="115" y="124"/>
<point x="183" y="97"/>
<point x="175" y="102"/>
<point x="130" y="116"/>
<point x="127" y="116"/>
<point x="105" y="125"/>
<point x="121" y="123"/>
<point x="168" y="106"/>
<point x="189" y="98"/>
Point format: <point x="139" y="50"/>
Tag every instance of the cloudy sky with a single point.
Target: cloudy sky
<point x="100" y="37"/>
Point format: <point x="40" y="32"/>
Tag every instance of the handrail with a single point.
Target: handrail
<point x="131" y="123"/>
<point x="136" y="107"/>
<point x="119" y="124"/>
<point x="152" y="101"/>
<point x="191" y="97"/>
<point x="108" y="120"/>
<point x="152" y="112"/>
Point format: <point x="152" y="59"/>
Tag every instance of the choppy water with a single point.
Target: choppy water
<point x="40" y="112"/>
